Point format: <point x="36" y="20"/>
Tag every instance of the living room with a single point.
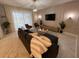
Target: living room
<point x="58" y="18"/>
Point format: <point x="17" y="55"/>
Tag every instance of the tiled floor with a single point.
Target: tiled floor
<point x="11" y="46"/>
<point x="67" y="44"/>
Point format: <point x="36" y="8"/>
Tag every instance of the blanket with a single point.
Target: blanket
<point x="39" y="45"/>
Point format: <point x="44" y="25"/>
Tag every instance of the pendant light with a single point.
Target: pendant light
<point x="34" y="9"/>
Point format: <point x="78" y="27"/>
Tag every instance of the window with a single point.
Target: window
<point x="21" y="18"/>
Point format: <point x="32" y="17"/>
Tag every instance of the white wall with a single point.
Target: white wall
<point x="1" y="33"/>
<point x="61" y="12"/>
<point x="2" y="13"/>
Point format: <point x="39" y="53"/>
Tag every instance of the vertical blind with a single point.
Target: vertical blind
<point x="21" y="18"/>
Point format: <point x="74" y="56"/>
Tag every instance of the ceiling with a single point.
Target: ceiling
<point x="40" y="4"/>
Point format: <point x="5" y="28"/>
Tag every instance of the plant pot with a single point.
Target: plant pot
<point x="6" y="31"/>
<point x="61" y="31"/>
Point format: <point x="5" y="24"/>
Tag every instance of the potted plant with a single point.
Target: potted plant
<point x="62" y="26"/>
<point x="6" y="26"/>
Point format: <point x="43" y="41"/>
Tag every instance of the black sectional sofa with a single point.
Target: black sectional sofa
<point x="26" y="38"/>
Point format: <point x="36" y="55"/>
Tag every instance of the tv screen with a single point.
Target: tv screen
<point x="50" y="17"/>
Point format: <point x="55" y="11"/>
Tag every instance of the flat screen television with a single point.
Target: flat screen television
<point x="50" y="17"/>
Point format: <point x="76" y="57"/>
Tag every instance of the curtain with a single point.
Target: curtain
<point x="18" y="17"/>
<point x="21" y="18"/>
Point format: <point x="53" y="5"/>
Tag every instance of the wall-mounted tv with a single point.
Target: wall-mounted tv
<point x="50" y="17"/>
